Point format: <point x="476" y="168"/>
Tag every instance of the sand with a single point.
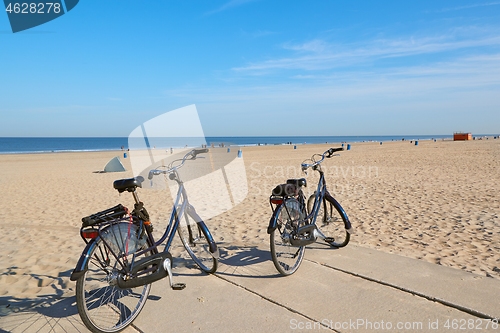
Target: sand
<point x="438" y="202"/>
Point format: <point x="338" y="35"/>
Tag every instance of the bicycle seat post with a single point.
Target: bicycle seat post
<point x="136" y="196"/>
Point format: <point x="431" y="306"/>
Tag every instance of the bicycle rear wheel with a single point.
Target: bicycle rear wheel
<point x="196" y="243"/>
<point x="286" y="258"/>
<point x="103" y="306"/>
<point x="330" y="223"/>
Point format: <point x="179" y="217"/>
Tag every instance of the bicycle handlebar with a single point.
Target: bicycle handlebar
<point x="329" y="153"/>
<point x="192" y="153"/>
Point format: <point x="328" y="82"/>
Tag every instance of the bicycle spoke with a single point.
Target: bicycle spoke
<point x="102" y="305"/>
<point x="197" y="245"/>
<point x="330" y="223"/>
<point x="286" y="258"/>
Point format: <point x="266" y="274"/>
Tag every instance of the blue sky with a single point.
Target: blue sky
<point x="255" y="68"/>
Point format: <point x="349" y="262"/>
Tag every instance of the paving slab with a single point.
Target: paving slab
<point x="477" y="294"/>
<point x="210" y="304"/>
<point x="349" y="303"/>
<point x="45" y="314"/>
<point x="326" y="293"/>
<point x="353" y="289"/>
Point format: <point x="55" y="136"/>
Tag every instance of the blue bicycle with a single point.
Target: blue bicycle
<point x="121" y="260"/>
<point x="296" y="223"/>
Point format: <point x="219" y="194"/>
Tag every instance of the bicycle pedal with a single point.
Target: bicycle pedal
<point x="178" y="286"/>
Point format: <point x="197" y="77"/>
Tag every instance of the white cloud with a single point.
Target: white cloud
<point x="315" y="46"/>
<point x="321" y="55"/>
<point x="470" y="73"/>
<point x="495" y="3"/>
<point x="432" y="83"/>
<point x="229" y="5"/>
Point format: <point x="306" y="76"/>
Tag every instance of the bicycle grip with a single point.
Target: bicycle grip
<point x="200" y="151"/>
<point x="331" y="151"/>
<point x="153" y="173"/>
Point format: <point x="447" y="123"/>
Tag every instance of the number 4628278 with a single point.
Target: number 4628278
<point x="33" y="8"/>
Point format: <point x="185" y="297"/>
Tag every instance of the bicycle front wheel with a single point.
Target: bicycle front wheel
<point x="330" y="223"/>
<point x="103" y="306"/>
<point x="196" y="243"/>
<point x="286" y="257"/>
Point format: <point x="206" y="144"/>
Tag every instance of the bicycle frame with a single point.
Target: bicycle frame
<point x="175" y="218"/>
<point x="322" y="194"/>
<point x="122" y="259"/>
<point x="181" y="206"/>
<point x="293" y="225"/>
<point x="319" y="197"/>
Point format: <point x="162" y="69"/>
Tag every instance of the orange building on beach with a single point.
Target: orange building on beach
<point x="459" y="136"/>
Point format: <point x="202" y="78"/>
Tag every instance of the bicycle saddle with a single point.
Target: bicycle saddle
<point x="129" y="184"/>
<point x="297" y="182"/>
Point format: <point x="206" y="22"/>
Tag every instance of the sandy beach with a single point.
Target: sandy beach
<point x="437" y="202"/>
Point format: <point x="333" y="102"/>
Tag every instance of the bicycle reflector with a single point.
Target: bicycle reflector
<point x="90" y="233"/>
<point x="277" y="200"/>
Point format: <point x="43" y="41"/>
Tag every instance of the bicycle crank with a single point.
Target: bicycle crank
<point x="167" y="265"/>
<point x="151" y="267"/>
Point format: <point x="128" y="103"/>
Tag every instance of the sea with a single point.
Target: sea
<point x="29" y="145"/>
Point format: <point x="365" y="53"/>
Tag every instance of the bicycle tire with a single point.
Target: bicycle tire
<point x="104" y="307"/>
<point x="196" y="243"/>
<point x="286" y="257"/>
<point x="330" y="222"/>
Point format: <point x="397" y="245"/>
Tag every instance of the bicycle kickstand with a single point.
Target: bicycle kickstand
<point x="167" y="265"/>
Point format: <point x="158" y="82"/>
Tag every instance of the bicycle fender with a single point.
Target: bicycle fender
<point x="213" y="246"/>
<point x="82" y="264"/>
<point x="273" y="224"/>
<point x="347" y="223"/>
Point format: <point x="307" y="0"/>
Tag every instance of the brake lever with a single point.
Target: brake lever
<point x="304" y="169"/>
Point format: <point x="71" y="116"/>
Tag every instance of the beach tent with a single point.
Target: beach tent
<point x="114" y="165"/>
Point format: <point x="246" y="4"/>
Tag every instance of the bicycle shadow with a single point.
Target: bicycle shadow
<point x="54" y="312"/>
<point x="253" y="262"/>
<point x="238" y="257"/>
<point x="246" y="261"/>
<point x="322" y="246"/>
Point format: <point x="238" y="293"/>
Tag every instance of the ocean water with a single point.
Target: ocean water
<point x="47" y="145"/>
<point x="277" y="140"/>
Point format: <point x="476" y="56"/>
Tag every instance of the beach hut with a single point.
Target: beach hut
<point x="460" y="136"/>
<point x="114" y="165"/>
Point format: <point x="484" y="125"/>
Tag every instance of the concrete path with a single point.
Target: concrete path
<point x="354" y="289"/>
